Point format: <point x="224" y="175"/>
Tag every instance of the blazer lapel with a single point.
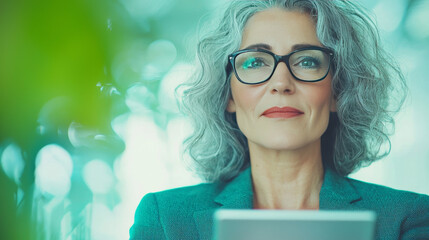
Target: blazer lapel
<point x="337" y="193"/>
<point x="237" y="194"/>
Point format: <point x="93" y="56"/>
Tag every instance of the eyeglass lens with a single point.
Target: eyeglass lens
<point x="257" y="66"/>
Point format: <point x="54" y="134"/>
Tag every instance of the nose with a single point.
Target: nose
<point x="282" y="81"/>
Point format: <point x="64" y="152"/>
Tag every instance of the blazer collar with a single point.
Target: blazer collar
<point x="336" y="193"/>
<point x="237" y="194"/>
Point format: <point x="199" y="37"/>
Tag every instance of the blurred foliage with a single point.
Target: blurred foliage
<point x="51" y="49"/>
<point x="55" y="59"/>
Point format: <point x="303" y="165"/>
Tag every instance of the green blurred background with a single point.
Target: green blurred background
<point x="88" y="115"/>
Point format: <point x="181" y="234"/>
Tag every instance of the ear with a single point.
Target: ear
<point x="231" y="106"/>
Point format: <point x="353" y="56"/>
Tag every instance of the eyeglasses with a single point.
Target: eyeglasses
<point x="255" y="66"/>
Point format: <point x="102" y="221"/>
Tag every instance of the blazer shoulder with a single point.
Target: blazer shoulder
<point x="387" y="195"/>
<point x="171" y="211"/>
<point x="190" y="196"/>
<point x="403" y="211"/>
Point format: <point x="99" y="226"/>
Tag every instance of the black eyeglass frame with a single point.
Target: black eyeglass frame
<point x="278" y="59"/>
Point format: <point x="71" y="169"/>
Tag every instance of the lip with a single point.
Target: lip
<point x="282" y="112"/>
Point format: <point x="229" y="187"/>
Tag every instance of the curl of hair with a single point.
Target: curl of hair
<point x="368" y="86"/>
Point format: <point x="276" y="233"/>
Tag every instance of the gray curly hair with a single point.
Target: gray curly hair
<point x="368" y="86"/>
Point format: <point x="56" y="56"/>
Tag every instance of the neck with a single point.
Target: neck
<point x="286" y="179"/>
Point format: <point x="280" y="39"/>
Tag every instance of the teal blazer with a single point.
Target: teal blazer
<point x="186" y="213"/>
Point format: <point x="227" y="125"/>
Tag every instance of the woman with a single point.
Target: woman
<point x="290" y="97"/>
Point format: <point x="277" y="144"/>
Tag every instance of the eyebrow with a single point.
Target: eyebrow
<point x="268" y="47"/>
<point x="259" y="46"/>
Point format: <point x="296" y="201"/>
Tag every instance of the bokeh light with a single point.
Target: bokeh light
<point x="54" y="168"/>
<point x="168" y="97"/>
<point x="12" y="162"/>
<point x="389" y="14"/>
<point x="161" y="54"/>
<point x="102" y="224"/>
<point x="416" y="23"/>
<point x="98" y="176"/>
<point x="140" y="99"/>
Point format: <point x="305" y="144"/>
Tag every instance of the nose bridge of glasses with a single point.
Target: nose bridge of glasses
<point x="285" y="60"/>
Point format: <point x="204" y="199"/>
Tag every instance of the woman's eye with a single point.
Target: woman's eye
<point x="308" y="62"/>
<point x="253" y="63"/>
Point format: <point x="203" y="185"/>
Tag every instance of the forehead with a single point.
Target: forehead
<point x="281" y="29"/>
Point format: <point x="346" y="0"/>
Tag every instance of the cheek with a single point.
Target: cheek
<point x="319" y="100"/>
<point x="245" y="97"/>
<point x="319" y="95"/>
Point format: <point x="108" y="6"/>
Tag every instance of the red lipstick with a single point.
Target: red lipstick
<point x="281" y="112"/>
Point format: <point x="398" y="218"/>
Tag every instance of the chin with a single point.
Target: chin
<point x="287" y="144"/>
<point x="283" y="145"/>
